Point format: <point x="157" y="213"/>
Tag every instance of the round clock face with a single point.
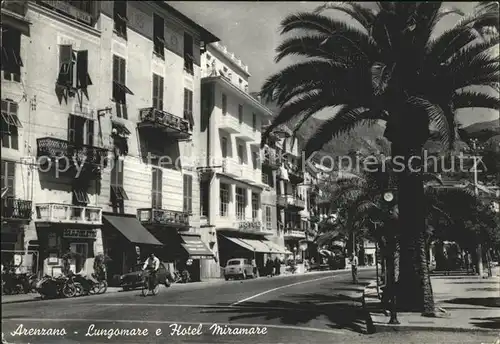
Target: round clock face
<point x="388" y="196"/>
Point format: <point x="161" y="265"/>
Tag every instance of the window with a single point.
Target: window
<point x="80" y="130"/>
<point x="118" y="193"/>
<point x="9" y="177"/>
<point x="188" y="193"/>
<point x="11" y="54"/>
<point x="241" y="154"/>
<point x="159" y="35"/>
<point x="188" y="107"/>
<point x="204" y="197"/>
<point x="224" y="199"/>
<point x="157" y="92"/>
<point x="255" y="206"/>
<point x="120" y="18"/>
<point x="265" y="178"/>
<point x="269" y="217"/>
<point x="240" y="113"/>
<point x="119" y="80"/>
<point x="156" y="188"/>
<point x="255" y="160"/>
<point x="73" y="68"/>
<point x="10" y="124"/>
<point x="240" y="203"/>
<point x="188" y="53"/>
<point x="224" y="147"/>
<point x="224" y="104"/>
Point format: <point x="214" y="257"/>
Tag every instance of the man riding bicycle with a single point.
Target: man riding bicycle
<point x="152" y="264"/>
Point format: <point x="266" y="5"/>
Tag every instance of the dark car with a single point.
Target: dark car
<point x="136" y="277"/>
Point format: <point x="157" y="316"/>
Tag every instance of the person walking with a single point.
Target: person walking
<point x="354" y="268"/>
<point x="269" y="267"/>
<point x="277" y="266"/>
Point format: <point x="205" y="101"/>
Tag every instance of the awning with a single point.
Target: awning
<point x="195" y="247"/>
<point x="276" y="248"/>
<point x="251" y="244"/>
<point x="132" y="229"/>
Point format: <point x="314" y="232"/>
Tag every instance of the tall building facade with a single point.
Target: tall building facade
<point x="238" y="208"/>
<point x="102" y="117"/>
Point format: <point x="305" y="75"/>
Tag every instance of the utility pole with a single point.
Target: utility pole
<point x="479" y="250"/>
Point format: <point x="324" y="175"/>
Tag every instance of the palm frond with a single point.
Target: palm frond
<point x="361" y="14"/>
<point x="381" y="75"/>
<point x="470" y="99"/>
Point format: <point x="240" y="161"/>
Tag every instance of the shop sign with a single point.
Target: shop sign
<point x="249" y="225"/>
<point x="63" y="6"/>
<point x="80" y="233"/>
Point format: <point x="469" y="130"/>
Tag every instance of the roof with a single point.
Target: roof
<point x="206" y="36"/>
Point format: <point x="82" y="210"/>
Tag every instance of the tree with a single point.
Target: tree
<point x="387" y="65"/>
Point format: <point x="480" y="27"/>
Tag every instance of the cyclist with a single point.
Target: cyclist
<point x="152" y="263"/>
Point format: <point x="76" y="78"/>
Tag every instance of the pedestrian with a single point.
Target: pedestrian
<point x="254" y="268"/>
<point x="269" y="267"/>
<point x="354" y="268"/>
<point x="277" y="266"/>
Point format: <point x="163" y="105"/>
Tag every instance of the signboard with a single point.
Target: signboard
<point x="249" y="225"/>
<point x="65" y="7"/>
<point x="80" y="233"/>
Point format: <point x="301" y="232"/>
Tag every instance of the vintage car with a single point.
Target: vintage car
<point x="238" y="267"/>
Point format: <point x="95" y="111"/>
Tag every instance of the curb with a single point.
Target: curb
<point x="408" y="328"/>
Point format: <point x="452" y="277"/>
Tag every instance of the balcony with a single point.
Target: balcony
<point x="271" y="159"/>
<point x="295" y="172"/>
<point x="235" y="169"/>
<point x="16" y="209"/>
<point x="172" y="125"/>
<point x="68" y="214"/>
<point x="229" y="124"/>
<point x="294" y="233"/>
<point x="287" y="201"/>
<point x="94" y="158"/>
<point x="248" y="134"/>
<point x="163" y="217"/>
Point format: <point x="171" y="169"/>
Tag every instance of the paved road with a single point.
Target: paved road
<point x="296" y="309"/>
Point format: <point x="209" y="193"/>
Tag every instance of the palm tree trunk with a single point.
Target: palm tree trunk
<point x="415" y="291"/>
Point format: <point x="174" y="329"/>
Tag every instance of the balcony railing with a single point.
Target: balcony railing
<point x="173" y="125"/>
<point x="16" y="209"/>
<point x="163" y="217"/>
<point x="54" y="148"/>
<point x="68" y="213"/>
<point x="290" y="200"/>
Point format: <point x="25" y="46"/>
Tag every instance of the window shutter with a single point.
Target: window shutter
<point x="90" y="132"/>
<point x="160" y="93"/>
<point x="116" y="69"/>
<point x="11" y="178"/>
<point x="113" y="174"/>
<point x="190" y="101"/>
<point x="71" y="128"/>
<point x="123" y="72"/>
<point x="186" y="99"/>
<point x="82" y="69"/>
<point x="120" y="172"/>
<point x="155" y="91"/>
<point x="65" y="77"/>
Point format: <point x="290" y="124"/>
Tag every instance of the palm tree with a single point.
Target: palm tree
<point x="387" y="64"/>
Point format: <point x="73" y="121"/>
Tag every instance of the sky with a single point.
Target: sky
<point x="251" y="31"/>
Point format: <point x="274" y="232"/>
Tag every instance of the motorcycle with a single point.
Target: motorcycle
<point x="53" y="287"/>
<point x="89" y="285"/>
<point x="13" y="283"/>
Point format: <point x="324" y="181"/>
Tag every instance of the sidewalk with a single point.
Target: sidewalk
<point x="469" y="303"/>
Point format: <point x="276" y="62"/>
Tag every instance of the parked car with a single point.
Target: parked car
<point x="238" y="267"/>
<point x="136" y="277"/>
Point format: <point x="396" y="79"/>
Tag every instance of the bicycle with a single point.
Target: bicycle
<point x="149" y="285"/>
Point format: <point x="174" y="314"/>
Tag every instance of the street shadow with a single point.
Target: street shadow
<point x="489" y="322"/>
<point x="477" y="301"/>
<point x="343" y="312"/>
<point x="483" y="289"/>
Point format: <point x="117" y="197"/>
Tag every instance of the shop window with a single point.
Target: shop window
<point x="120" y="18"/>
<point x="224" y="200"/>
<point x="120" y="90"/>
<point x="188" y="193"/>
<point x="188" y="53"/>
<point x="10" y="124"/>
<point x="81" y="250"/>
<point x="158" y="92"/>
<point x="11" y="54"/>
<point x="159" y="35"/>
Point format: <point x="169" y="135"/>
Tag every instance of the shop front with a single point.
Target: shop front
<point x="127" y="243"/>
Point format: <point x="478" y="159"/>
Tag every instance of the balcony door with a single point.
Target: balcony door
<point x="240" y="203"/>
<point x="80" y="130"/>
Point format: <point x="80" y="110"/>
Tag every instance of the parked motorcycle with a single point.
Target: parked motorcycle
<point x="13" y="283"/>
<point x="89" y="285"/>
<point x="52" y="287"/>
